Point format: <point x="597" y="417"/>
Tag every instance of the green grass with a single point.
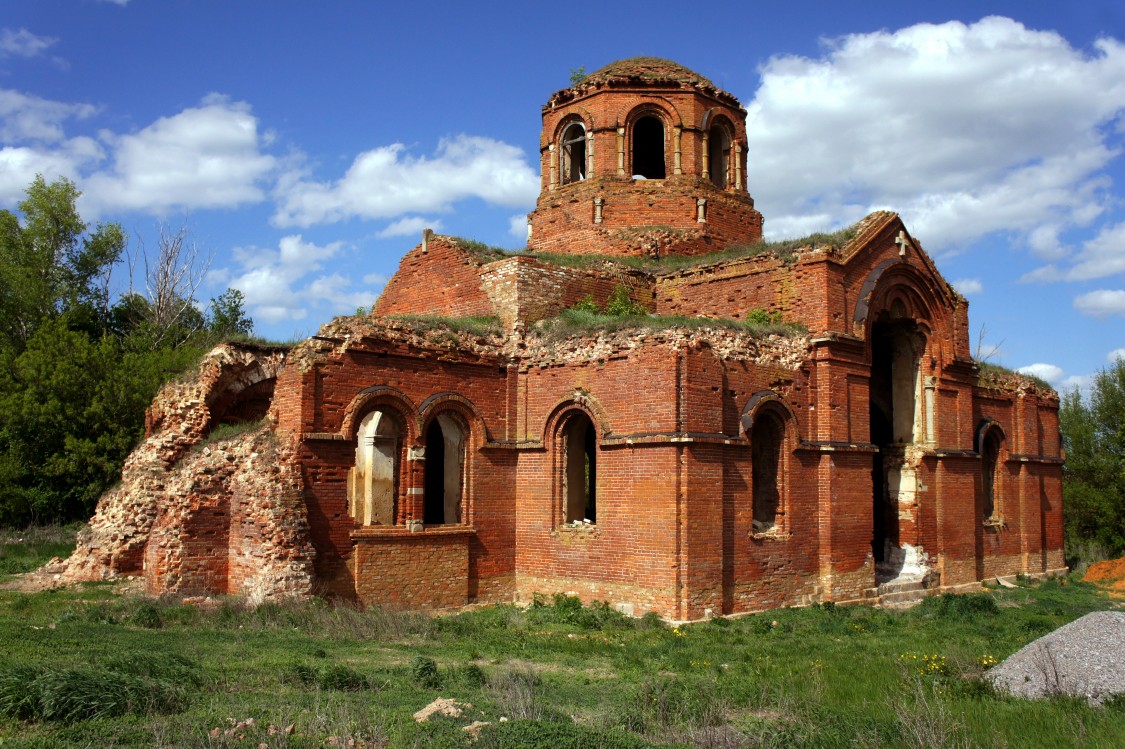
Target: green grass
<point x="478" y="325"/>
<point x="583" y="322"/>
<point x="784" y="249"/>
<point x="564" y="675"/>
<point x="30" y="548"/>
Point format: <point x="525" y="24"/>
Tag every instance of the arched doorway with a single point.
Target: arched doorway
<point x="894" y="420"/>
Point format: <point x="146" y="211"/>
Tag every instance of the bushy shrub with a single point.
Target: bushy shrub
<point x="336" y="677"/>
<point x="960" y="606"/>
<point x="565" y="609"/>
<point x="425" y="672"/>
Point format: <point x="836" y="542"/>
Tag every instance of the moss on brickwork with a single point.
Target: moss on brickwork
<point x="474" y="324"/>
<point x="485" y="253"/>
<point x="785" y="250"/>
<point x="581" y="322"/>
<point x="998" y="377"/>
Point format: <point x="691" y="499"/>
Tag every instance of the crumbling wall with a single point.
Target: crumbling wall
<point x="212" y="519"/>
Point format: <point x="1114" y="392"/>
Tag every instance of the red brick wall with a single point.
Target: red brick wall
<point x="402" y="570"/>
<point x="445" y="280"/>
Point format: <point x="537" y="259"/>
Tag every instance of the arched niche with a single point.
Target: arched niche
<point x="374" y="479"/>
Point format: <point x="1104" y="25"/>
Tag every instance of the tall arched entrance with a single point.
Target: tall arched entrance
<point x="895" y="422"/>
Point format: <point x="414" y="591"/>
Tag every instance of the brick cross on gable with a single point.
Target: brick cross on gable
<point x="902" y="242"/>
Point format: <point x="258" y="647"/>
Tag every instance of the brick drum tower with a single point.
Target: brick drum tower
<point x="771" y="424"/>
<point x="643" y="157"/>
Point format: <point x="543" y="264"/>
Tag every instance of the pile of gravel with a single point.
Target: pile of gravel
<point x="1084" y="658"/>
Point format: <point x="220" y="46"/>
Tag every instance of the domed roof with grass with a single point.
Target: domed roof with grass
<point x="646" y="72"/>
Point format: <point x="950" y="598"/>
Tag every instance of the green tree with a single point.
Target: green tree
<point x="228" y="317"/>
<point x="50" y="264"/>
<point x="1094" y="487"/>
<point x="71" y="409"/>
<point x="78" y="370"/>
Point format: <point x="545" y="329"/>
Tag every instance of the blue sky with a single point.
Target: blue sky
<point x="305" y="145"/>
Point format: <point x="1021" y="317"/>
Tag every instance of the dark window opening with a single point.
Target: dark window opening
<point x="990" y="463"/>
<point x="895" y="346"/>
<point x="648" y="148"/>
<point x="443" y="482"/>
<point x="580" y="446"/>
<point x="766" y="439"/>
<point x="573" y="154"/>
<point x="718" y="156"/>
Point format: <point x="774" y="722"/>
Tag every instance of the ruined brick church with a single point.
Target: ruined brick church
<point x="685" y="462"/>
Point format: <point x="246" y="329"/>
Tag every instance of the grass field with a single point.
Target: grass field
<point x="85" y="667"/>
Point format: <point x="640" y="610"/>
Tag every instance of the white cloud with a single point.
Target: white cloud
<point x="204" y="157"/>
<point x="1081" y="383"/>
<point x="968" y="286"/>
<point x="20" y="164"/>
<point x="518" y="226"/>
<point x="23" y="43"/>
<point x="1101" y="303"/>
<point x="283" y="284"/>
<point x="1101" y="256"/>
<point x="122" y="3"/>
<point x="1048" y="372"/>
<point x="1113" y="356"/>
<point x="964" y="129"/>
<point x="388" y="181"/>
<point x="30" y="118"/>
<point x="409" y="225"/>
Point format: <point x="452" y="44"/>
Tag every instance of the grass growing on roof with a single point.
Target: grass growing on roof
<point x="485" y="253"/>
<point x="479" y="325"/>
<point x="584" y="322"/>
<point x="991" y="371"/>
<point x="784" y="249"/>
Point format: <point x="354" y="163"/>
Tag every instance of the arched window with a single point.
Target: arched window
<point x="580" y="456"/>
<point x="373" y="481"/>
<point x="767" y="438"/>
<point x="718" y="155"/>
<point x="572" y="154"/>
<point x="444" y="479"/>
<point x="990" y="476"/>
<point x="648" y="148"/>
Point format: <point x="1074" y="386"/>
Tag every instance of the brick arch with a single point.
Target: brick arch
<point x="241" y="392"/>
<point x="761" y="401"/>
<point x="986" y="425"/>
<point x="580" y="115"/>
<point x="651" y="105"/>
<point x="580" y="401"/>
<point x="897" y="279"/>
<point x="369" y="399"/>
<point x="459" y="404"/>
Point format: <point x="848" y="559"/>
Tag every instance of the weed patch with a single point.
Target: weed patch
<point x="128" y="685"/>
